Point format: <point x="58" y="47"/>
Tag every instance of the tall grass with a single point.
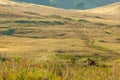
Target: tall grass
<point x="25" y="69"/>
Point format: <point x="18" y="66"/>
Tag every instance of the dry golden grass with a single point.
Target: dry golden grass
<point x="34" y="47"/>
<point x="113" y="9"/>
<point x="37" y="45"/>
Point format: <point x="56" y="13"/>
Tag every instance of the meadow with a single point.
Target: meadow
<point x="34" y="46"/>
<point x="57" y="50"/>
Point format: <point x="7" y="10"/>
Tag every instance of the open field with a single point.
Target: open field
<point x="53" y="50"/>
<point x="37" y="45"/>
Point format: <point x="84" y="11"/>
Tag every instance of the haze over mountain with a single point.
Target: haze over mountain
<point x="72" y="4"/>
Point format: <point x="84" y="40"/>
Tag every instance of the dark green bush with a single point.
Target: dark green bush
<point x="83" y="21"/>
<point x="100" y="24"/>
<point x="39" y="22"/>
<point x="7" y="32"/>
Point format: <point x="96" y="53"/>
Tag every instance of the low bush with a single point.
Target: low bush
<point x="39" y="22"/>
<point x="7" y="32"/>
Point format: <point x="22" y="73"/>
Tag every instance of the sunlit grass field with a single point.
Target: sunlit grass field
<point x="23" y="69"/>
<point x="52" y="49"/>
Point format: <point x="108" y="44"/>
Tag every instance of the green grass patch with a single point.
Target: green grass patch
<point x="83" y="21"/>
<point x="39" y="22"/>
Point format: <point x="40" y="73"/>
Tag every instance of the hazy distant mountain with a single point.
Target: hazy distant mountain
<point x="72" y="4"/>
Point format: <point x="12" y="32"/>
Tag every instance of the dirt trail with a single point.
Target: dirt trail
<point x="89" y="41"/>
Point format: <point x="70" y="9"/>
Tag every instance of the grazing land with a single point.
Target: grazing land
<point x="38" y="44"/>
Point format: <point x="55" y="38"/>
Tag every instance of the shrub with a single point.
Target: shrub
<point x="39" y="22"/>
<point x="55" y="16"/>
<point x="83" y="21"/>
<point x="103" y="41"/>
<point x="100" y="24"/>
<point x="58" y="23"/>
<point x="8" y="32"/>
<point x="3" y="58"/>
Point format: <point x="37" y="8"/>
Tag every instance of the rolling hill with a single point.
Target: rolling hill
<point x="72" y="4"/>
<point x="46" y="43"/>
<point x="26" y="9"/>
<point x="31" y="20"/>
<point x="112" y="9"/>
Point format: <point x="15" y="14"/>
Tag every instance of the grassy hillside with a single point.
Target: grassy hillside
<point x="71" y="4"/>
<point x="45" y="43"/>
<point x="113" y="9"/>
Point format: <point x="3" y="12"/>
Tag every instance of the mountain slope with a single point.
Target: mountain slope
<point x="8" y="7"/>
<point x="72" y="4"/>
<point x="113" y="9"/>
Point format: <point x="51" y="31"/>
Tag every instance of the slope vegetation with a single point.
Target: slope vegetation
<point x="113" y="9"/>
